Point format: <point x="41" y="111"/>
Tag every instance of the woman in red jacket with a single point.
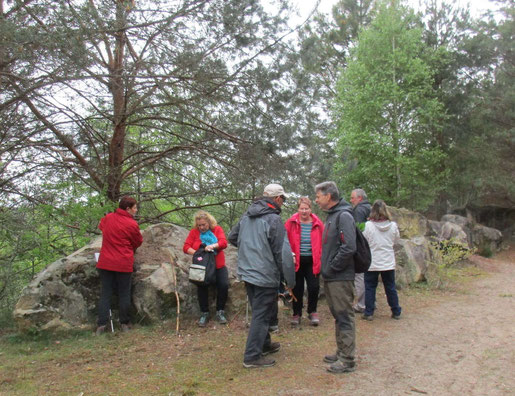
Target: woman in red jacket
<point x="205" y="230"/>
<point x="305" y="235"/>
<point x="121" y="237"/>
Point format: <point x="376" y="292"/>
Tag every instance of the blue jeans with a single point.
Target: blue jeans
<point x="371" y="280"/>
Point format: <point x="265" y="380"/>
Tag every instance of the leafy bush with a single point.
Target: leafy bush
<point x="446" y="255"/>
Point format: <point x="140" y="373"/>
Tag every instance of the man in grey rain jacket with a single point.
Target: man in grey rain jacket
<point x="338" y="248"/>
<point x="264" y="254"/>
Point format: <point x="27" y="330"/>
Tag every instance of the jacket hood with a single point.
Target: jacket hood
<point x="382" y="225"/>
<point x="341" y="205"/>
<point x="262" y="207"/>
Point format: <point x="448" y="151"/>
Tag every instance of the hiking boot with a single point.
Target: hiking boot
<point x="204" y="318"/>
<point x="273" y="329"/>
<point x="358" y="310"/>
<point x="261" y="362"/>
<point x="330" y="358"/>
<point x="341" y="367"/>
<point x="100" y="330"/>
<point x="313" y="317"/>
<point x="272" y="348"/>
<point x="220" y="316"/>
<point x="295" y="320"/>
<point x="367" y="317"/>
<point x="396" y="317"/>
<point x="126" y="327"/>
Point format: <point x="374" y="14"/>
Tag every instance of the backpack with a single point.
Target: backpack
<point x="203" y="267"/>
<point x="362" y="256"/>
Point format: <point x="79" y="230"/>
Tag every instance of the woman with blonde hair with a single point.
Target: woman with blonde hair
<point x="206" y="231"/>
<point x="381" y="234"/>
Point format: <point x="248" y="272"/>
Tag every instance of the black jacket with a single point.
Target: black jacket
<point x="361" y="212"/>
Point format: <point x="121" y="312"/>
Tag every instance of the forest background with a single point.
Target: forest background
<point x="200" y="103"/>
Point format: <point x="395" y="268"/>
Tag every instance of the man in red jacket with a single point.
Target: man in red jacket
<point x="121" y="237"/>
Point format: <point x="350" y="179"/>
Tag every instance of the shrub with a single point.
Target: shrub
<point x="446" y="257"/>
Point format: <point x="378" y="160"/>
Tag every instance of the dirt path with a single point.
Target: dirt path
<point x="462" y="343"/>
<point x="447" y="343"/>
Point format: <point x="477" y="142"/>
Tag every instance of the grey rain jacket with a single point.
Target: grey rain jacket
<point x="264" y="253"/>
<point x="339" y="245"/>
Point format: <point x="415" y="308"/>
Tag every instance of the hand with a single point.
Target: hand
<point x="209" y="248"/>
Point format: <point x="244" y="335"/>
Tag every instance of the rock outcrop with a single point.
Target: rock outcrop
<point x="65" y="294"/>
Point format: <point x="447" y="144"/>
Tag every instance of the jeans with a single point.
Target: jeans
<point x="110" y="281"/>
<point x="340" y="296"/>
<point x="305" y="272"/>
<point x="222" y="291"/>
<point x="262" y="300"/>
<point x="371" y="280"/>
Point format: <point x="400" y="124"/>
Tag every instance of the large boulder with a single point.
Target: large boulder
<point x="445" y="230"/>
<point x="65" y="294"/>
<point x="411" y="224"/>
<point x="486" y="240"/>
<point x="412" y="257"/>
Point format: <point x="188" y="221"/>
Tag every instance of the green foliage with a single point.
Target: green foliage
<point x="33" y="236"/>
<point x="476" y="87"/>
<point x="446" y="257"/>
<point x="388" y="114"/>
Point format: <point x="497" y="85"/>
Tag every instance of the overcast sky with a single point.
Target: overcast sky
<point x="477" y="7"/>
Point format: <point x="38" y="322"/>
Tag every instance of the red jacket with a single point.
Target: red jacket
<point x="193" y="241"/>
<point x="120" y="239"/>
<point x="293" y="229"/>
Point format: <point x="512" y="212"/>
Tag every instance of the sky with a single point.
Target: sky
<point x="477" y="7"/>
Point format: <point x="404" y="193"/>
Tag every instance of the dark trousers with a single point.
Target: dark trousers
<point x="109" y="281"/>
<point x="262" y="300"/>
<point x="222" y="291"/>
<point x="312" y="281"/>
<point x="340" y="296"/>
<point x="371" y="281"/>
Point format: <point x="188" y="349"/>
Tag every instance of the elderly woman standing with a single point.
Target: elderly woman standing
<point x="381" y="234"/>
<point x="305" y="231"/>
<point x="206" y="231"/>
<point x="121" y="237"/>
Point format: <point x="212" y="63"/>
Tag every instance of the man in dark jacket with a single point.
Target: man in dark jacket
<point x="361" y="211"/>
<point x="338" y="248"/>
<point x="264" y="255"/>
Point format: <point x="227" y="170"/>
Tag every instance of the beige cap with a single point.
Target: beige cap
<point x="274" y="190"/>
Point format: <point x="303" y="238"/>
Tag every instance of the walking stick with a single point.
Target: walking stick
<point x="247" y="313"/>
<point x="111" y="319"/>
<point x="174" y="279"/>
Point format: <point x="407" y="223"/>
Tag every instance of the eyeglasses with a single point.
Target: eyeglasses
<point x="283" y="198"/>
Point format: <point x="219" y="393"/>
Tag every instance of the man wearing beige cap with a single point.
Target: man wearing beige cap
<point x="264" y="255"/>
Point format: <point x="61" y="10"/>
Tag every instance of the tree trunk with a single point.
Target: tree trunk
<point x="118" y="92"/>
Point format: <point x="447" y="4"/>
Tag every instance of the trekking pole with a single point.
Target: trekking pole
<point x="111" y="319"/>
<point x="247" y="313"/>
